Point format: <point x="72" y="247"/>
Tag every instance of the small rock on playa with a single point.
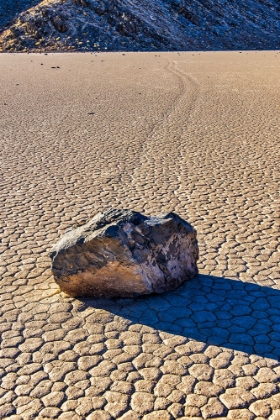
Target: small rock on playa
<point x="122" y="253"/>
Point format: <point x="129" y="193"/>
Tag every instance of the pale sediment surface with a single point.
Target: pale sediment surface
<point x="194" y="133"/>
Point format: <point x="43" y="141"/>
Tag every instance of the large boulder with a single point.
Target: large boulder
<point x="122" y="253"/>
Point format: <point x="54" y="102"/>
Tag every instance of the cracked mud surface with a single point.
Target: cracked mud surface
<point x="194" y="133"/>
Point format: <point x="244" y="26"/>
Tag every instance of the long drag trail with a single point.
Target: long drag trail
<point x="194" y="133"/>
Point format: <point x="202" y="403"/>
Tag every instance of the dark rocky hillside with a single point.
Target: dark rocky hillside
<point x="10" y="8"/>
<point x="133" y="25"/>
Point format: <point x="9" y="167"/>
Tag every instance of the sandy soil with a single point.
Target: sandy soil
<point x="195" y="133"/>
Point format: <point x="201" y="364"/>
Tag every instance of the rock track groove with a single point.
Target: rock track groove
<point x="196" y="133"/>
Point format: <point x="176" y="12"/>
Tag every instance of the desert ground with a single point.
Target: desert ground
<point x="194" y="133"/>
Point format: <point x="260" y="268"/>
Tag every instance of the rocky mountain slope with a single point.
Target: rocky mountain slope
<point x="133" y="25"/>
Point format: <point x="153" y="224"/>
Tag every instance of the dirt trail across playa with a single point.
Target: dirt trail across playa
<point x="194" y="133"/>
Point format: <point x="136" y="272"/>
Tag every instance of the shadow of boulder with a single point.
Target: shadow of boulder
<point x="216" y="311"/>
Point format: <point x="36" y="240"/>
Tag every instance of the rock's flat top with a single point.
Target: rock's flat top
<point x="194" y="133"/>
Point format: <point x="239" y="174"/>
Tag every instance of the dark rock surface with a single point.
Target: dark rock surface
<point x="130" y="25"/>
<point x="121" y="253"/>
<point x="9" y="9"/>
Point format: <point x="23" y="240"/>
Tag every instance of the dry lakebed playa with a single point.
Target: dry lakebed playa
<point x="196" y="133"/>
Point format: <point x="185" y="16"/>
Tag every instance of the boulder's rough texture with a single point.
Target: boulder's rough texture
<point x="121" y="253"/>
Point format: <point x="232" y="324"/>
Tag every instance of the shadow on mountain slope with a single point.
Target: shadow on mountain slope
<point x="9" y="9"/>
